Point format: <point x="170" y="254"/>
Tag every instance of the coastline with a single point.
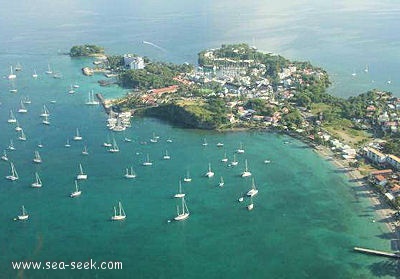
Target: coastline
<point x="383" y="211"/>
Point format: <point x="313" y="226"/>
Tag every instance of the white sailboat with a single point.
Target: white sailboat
<point x="34" y="75"/>
<point x="37" y="158"/>
<point x="147" y="162"/>
<point x="179" y="194"/>
<point x="71" y="90"/>
<point x="241" y="198"/>
<point x="210" y="173"/>
<point x="85" y="150"/>
<point x="253" y="191"/>
<point x="11" y="118"/>
<point x="4" y="157"/>
<point x="221" y="182"/>
<point x="220" y="144"/>
<point x="91" y="100"/>
<point x="169" y="140"/>
<point x="185" y="211"/>
<point x="24" y="215"/>
<point x="204" y="142"/>
<point x="81" y="175"/>
<point x="240" y="150"/>
<point x="251" y="205"/>
<point x="22" y="108"/>
<point x="26" y="100"/>
<point x="121" y="213"/>
<point x="14" y="175"/>
<point x="154" y="139"/>
<point x="49" y="70"/>
<point x="366" y="69"/>
<point x="187" y="178"/>
<point x="22" y="136"/>
<point x="77" y="135"/>
<point x="46" y="120"/>
<point x="67" y="144"/>
<point x="77" y="191"/>
<point x="38" y="181"/>
<point x="129" y="173"/>
<point x="107" y="143"/>
<point x="45" y="112"/>
<point x="246" y="170"/>
<point x="13" y="89"/>
<point x="11" y="145"/>
<point x="18" y="67"/>
<point x="127" y="139"/>
<point x="11" y="75"/>
<point x="224" y="159"/>
<point x="18" y="127"/>
<point x="166" y="155"/>
<point x="114" y="148"/>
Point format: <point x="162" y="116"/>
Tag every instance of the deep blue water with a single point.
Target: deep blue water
<point x="307" y="217"/>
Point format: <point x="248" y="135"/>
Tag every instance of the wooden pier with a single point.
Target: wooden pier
<point x="377" y="253"/>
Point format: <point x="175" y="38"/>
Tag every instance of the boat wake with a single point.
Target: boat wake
<point x="154" y="45"/>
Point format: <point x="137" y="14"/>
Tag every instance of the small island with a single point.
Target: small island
<point x="86" y="50"/>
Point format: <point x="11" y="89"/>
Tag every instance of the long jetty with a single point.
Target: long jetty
<point x="377" y="253"/>
<point x="103" y="102"/>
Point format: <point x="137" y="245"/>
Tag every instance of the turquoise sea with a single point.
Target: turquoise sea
<point x="307" y="216"/>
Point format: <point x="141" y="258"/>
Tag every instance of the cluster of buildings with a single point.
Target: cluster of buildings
<point x="381" y="159"/>
<point x="386" y="178"/>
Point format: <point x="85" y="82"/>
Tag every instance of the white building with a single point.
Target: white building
<point x="394" y="161"/>
<point x="375" y="155"/>
<point x="133" y="62"/>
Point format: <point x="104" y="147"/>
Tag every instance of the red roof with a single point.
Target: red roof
<point x="169" y="89"/>
<point x="388" y="171"/>
<point x="380" y="178"/>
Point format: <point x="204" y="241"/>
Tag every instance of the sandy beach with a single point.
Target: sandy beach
<point x="384" y="213"/>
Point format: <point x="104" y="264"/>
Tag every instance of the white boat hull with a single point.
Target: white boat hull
<point x="181" y="217"/>
<point x="81" y="176"/>
<point x="23" y="217"/>
<point x="11" y="177"/>
<point x="118" y="218"/>
<point x="252" y="192"/>
<point x="75" y="194"/>
<point x="210" y="174"/>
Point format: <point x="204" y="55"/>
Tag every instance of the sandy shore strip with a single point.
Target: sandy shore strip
<point x="383" y="210"/>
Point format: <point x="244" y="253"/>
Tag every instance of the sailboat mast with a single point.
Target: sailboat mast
<point x="183" y="206"/>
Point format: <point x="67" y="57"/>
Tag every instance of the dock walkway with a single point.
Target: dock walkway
<point x="377" y="253"/>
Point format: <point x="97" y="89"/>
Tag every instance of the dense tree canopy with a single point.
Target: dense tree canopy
<point x="85" y="50"/>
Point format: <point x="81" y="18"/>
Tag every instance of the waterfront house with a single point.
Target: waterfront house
<point x="394" y="161"/>
<point x="374" y="155"/>
<point x="380" y="180"/>
<point x="133" y="62"/>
